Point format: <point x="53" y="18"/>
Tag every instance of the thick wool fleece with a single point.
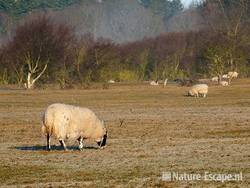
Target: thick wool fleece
<point x="198" y="89"/>
<point x="68" y="122"/>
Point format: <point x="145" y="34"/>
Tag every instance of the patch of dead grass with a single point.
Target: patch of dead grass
<point x="163" y="130"/>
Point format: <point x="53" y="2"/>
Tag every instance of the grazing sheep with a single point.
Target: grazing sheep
<point x="225" y="76"/>
<point x="72" y="122"/>
<point x="233" y="74"/>
<point x="224" y="83"/>
<point x="215" y="79"/>
<point x="111" y="81"/>
<point x="154" y="83"/>
<point x="198" y="90"/>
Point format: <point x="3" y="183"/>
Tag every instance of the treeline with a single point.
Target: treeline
<point x="43" y="52"/>
<point x="119" y="20"/>
<point x="20" y="7"/>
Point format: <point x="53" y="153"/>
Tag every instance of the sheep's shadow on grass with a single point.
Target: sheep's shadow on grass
<point x="53" y="147"/>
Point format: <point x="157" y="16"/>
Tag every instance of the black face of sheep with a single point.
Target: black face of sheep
<point x="102" y="143"/>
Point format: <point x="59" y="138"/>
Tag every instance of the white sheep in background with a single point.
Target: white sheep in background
<point x="225" y="76"/>
<point x="215" y="79"/>
<point x="198" y="89"/>
<point x="154" y="83"/>
<point x="72" y="122"/>
<point x="224" y="83"/>
<point x="111" y="81"/>
<point x="233" y="74"/>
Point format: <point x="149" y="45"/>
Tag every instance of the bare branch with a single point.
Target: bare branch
<point x="242" y="11"/>
<point x="28" y="61"/>
<point x="227" y="22"/>
<point x="37" y="61"/>
<point x="40" y="74"/>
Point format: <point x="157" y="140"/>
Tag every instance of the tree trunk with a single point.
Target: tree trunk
<point x="29" y="83"/>
<point x="30" y="80"/>
<point x="219" y="79"/>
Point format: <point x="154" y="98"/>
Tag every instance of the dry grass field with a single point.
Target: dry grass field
<point x="163" y="131"/>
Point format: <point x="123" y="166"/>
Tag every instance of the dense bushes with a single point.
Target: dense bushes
<point x="42" y="45"/>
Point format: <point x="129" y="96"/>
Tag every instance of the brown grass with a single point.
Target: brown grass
<point x="163" y="131"/>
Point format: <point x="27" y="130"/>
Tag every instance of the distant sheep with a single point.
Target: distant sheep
<point x="215" y="79"/>
<point x="233" y="74"/>
<point x="224" y="83"/>
<point x="111" y="81"/>
<point x="198" y="90"/>
<point x="225" y="76"/>
<point x="72" y="122"/>
<point x="154" y="83"/>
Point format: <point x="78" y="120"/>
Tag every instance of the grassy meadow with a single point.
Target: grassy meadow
<point x="163" y="131"/>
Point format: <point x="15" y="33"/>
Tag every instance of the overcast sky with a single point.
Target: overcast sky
<point x="186" y="2"/>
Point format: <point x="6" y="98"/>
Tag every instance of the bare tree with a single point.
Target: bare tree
<point x="35" y="70"/>
<point x="218" y="61"/>
<point x="227" y="18"/>
<point x="39" y="47"/>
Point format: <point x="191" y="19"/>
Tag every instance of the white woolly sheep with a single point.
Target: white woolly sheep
<point x="198" y="90"/>
<point x="72" y="122"/>
<point x="224" y="83"/>
<point x="225" y="76"/>
<point x="215" y="79"/>
<point x="111" y="81"/>
<point x="233" y="74"/>
<point x="154" y="83"/>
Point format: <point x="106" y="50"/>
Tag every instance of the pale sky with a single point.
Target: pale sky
<point x="186" y="2"/>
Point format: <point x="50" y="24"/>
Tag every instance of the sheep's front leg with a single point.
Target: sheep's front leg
<point x="80" y="140"/>
<point x="48" y="142"/>
<point x="63" y="144"/>
<point x="196" y="94"/>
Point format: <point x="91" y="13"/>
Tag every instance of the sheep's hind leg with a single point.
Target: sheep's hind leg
<point x="48" y="143"/>
<point x="80" y="140"/>
<point x="63" y="144"/>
